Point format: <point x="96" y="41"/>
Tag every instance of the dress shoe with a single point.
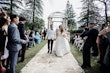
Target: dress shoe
<point x="48" y="52"/>
<point x="51" y="52"/>
<point x="100" y="62"/>
<point x="20" y="61"/>
<point x="86" y="66"/>
<point x="83" y="66"/>
<point x="95" y="54"/>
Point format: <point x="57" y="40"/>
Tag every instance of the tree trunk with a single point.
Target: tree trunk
<point x="11" y="7"/>
<point x="106" y="15"/>
<point x="87" y="18"/>
<point x="88" y="15"/>
<point x="33" y="15"/>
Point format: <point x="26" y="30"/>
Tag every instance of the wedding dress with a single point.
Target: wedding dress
<point x="62" y="46"/>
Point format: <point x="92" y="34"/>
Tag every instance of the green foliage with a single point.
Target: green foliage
<point x="11" y="5"/>
<point x="71" y="24"/>
<point x="38" y="25"/>
<point x="37" y="4"/>
<point x="34" y="12"/>
<point x="90" y="13"/>
<point x="69" y="13"/>
<point x="106" y="4"/>
<point x="35" y="8"/>
<point x="109" y="19"/>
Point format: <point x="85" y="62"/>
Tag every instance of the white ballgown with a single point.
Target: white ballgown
<point x="62" y="46"/>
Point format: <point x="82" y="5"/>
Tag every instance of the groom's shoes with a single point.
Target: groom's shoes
<point x="51" y="52"/>
<point x="48" y="51"/>
<point x="85" y="66"/>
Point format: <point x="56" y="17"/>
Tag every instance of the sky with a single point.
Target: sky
<point x="51" y="6"/>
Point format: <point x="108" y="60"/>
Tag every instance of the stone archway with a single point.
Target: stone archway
<point x="60" y="18"/>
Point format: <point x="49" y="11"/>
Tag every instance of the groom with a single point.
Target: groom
<point x="51" y="35"/>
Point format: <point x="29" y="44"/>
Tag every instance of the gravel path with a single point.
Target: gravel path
<point x="49" y="63"/>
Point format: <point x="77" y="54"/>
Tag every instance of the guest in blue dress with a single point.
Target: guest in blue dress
<point x="37" y="38"/>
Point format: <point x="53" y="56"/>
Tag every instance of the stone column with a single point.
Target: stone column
<point x="51" y="21"/>
<point x="48" y="22"/>
<point x="63" y="23"/>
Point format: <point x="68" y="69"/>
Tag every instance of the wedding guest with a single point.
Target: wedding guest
<point x="4" y="22"/>
<point x="37" y="38"/>
<point x="90" y="42"/>
<point x="21" y="27"/>
<point x="106" y="60"/>
<point x="31" y="39"/>
<point x="14" y="44"/>
<point x="3" y="41"/>
<point x="102" y="46"/>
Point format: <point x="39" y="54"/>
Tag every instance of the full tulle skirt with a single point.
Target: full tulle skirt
<point x="62" y="46"/>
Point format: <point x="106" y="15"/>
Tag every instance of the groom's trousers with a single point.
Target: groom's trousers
<point x="50" y="44"/>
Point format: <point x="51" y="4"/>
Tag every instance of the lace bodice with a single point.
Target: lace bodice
<point x="59" y="34"/>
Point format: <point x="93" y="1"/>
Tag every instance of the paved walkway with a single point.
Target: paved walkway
<point x="49" y="63"/>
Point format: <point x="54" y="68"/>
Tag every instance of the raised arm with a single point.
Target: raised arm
<point x="3" y="13"/>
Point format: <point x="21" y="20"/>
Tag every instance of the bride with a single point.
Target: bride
<point x="62" y="46"/>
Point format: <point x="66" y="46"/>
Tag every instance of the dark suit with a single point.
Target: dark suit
<point x="13" y="45"/>
<point x="89" y="43"/>
<point x="21" y="28"/>
<point x="2" y="40"/>
<point x="106" y="66"/>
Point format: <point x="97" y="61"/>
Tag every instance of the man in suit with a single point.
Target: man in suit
<point x="90" y="42"/>
<point x="51" y="35"/>
<point x="14" y="43"/>
<point x="21" y="27"/>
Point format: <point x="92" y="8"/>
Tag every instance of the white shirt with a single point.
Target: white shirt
<point x="51" y="34"/>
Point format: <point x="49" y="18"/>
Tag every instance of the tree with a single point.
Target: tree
<point x="109" y="19"/>
<point x="106" y="3"/>
<point x="30" y="9"/>
<point x="38" y="25"/>
<point x="90" y="13"/>
<point x="11" y="5"/>
<point x="69" y="13"/>
<point x="35" y="7"/>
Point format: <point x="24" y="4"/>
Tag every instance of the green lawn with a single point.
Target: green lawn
<point x="29" y="55"/>
<point x="78" y="55"/>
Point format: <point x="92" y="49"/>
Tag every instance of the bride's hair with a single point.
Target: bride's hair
<point x="61" y="28"/>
